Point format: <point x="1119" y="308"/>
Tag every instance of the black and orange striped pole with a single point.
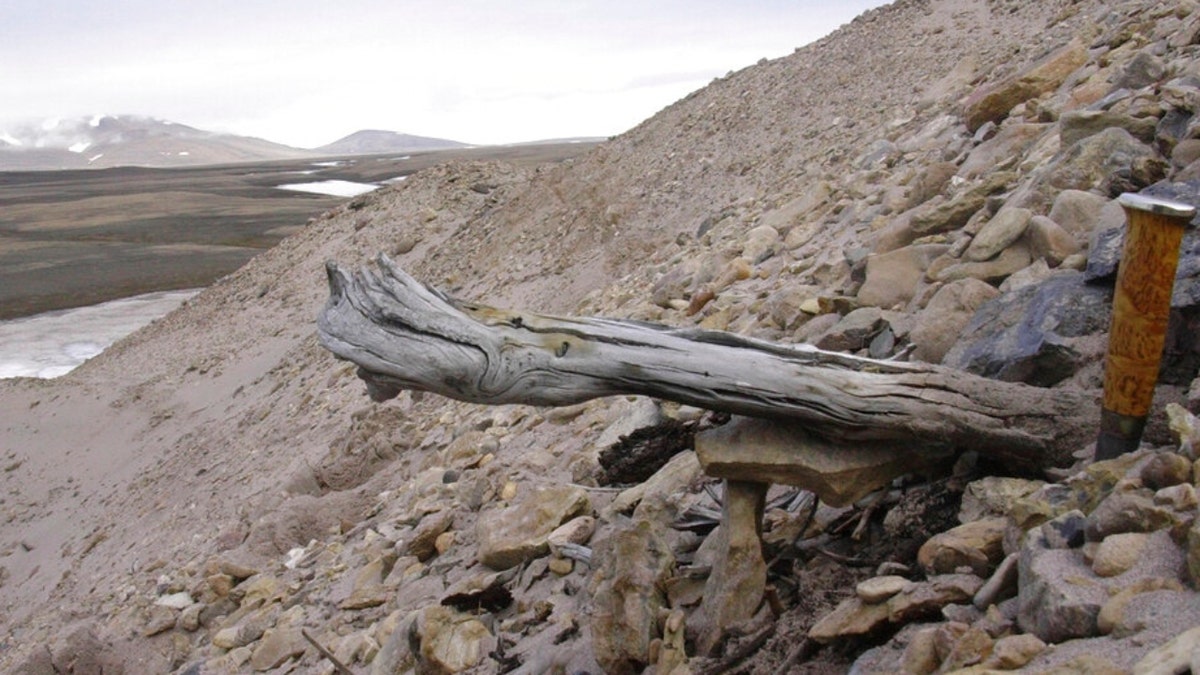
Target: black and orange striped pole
<point x="1141" y="307"/>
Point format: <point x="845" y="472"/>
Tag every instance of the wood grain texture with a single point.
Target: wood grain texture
<point x="1141" y="309"/>
<point x="405" y="335"/>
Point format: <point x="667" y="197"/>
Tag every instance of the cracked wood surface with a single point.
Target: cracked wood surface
<point x="405" y="335"/>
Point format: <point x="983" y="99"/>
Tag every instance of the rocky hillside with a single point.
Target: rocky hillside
<point x="934" y="181"/>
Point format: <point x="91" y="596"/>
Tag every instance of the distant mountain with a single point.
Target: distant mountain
<point x="128" y="140"/>
<point x="374" y="142"/>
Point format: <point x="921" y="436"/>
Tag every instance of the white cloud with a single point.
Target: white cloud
<point x="306" y="72"/>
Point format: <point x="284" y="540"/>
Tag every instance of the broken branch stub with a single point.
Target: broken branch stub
<point x="405" y="335"/>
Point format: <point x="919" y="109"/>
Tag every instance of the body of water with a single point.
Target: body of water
<point x="52" y="344"/>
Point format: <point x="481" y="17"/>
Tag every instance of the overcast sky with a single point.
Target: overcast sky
<point x="307" y="72"/>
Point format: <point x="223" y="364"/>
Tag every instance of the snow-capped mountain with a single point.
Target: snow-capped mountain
<point x="127" y="140"/>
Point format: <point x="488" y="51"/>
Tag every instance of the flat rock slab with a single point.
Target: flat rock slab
<point x="766" y="451"/>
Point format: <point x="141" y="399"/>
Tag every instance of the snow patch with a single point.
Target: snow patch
<point x="95" y="157"/>
<point x="334" y="188"/>
<point x="79" y="146"/>
<point x="54" y="343"/>
<point x="96" y="120"/>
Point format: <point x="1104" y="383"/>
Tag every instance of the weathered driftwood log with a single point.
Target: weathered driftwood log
<point x="405" y="335"/>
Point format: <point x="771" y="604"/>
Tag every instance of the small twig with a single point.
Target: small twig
<point x="337" y="665"/>
<point x="845" y="559"/>
<point x="576" y="552"/>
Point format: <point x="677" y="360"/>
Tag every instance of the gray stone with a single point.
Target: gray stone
<point x="1011" y="142"/>
<point x="1076" y="125"/>
<point x="1065" y="530"/>
<point x="1142" y="70"/>
<point x="1058" y="596"/>
<point x="855" y="330"/>
<point x="1131" y="511"/>
<point x="1023" y="336"/>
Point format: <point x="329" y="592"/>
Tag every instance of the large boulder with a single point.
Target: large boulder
<point x="1025" y="335"/>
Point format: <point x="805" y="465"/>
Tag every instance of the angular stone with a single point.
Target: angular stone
<point x="276" y="647"/>
<point x="512" y="535"/>
<point x="972" y="647"/>
<point x="1012" y="141"/>
<point x="992" y="103"/>
<point x="1066" y="530"/>
<point x="738" y="580"/>
<point x="1058" y="597"/>
<point x="632" y="564"/>
<point x="932" y="218"/>
<point x="1022" y="336"/>
<point x="679" y="472"/>
<point x="1093" y="162"/>
<point x="925" y="599"/>
<point x="448" y="641"/>
<point x="766" y="451"/>
<point x="920" y="656"/>
<point x="1133" y="511"/>
<point x="423" y="543"/>
<point x="1011" y="260"/>
<point x="369" y="590"/>
<point x="760" y="243"/>
<point x="893" y="277"/>
<point x="1075" y="125"/>
<point x="939" y="324"/>
<point x="994" y="496"/>
<point x="851" y="618"/>
<point x="855" y="331"/>
<point x="977" y="545"/>
<point x="999" y="233"/>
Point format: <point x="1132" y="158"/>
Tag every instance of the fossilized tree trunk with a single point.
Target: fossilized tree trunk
<point x="405" y="335"/>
